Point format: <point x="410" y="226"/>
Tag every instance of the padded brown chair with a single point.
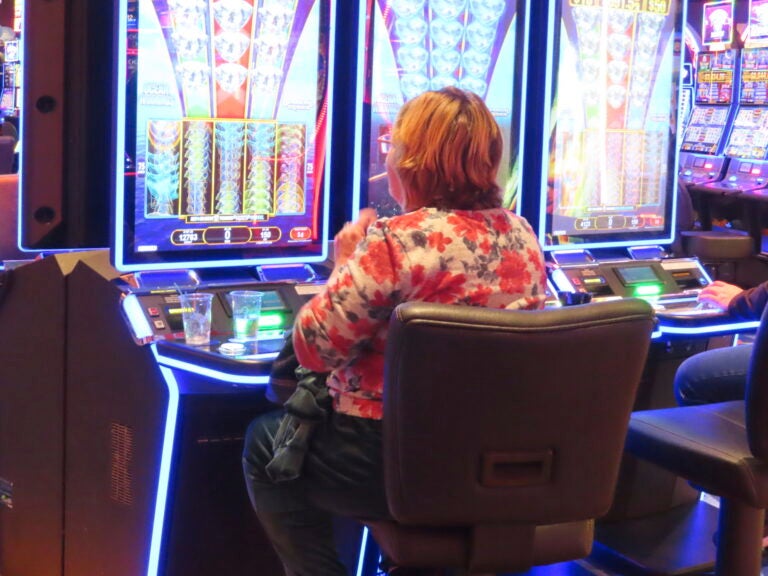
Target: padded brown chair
<point x="503" y="430"/>
<point x="722" y="448"/>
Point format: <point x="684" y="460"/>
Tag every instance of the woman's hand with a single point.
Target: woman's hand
<point x="345" y="242"/>
<point x="719" y="293"/>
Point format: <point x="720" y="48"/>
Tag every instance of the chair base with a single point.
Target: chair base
<point x="739" y="546"/>
<point x="675" y="542"/>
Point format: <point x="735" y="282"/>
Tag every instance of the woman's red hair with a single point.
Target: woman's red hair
<point x="447" y="148"/>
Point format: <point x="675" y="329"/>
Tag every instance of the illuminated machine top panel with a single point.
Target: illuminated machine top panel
<point x="749" y="133"/>
<point x="224" y="108"/>
<point x="419" y="45"/>
<point x="714" y="93"/>
<point x="610" y="160"/>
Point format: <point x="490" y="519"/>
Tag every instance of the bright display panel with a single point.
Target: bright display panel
<point x="715" y="79"/>
<point x="611" y="157"/>
<point x="225" y="107"/>
<point x="749" y="134"/>
<point x="417" y="45"/>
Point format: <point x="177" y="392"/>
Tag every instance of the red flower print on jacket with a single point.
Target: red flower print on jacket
<point x="478" y="258"/>
<point x="439" y="241"/>
<point x="513" y="271"/>
<point x="467" y="227"/>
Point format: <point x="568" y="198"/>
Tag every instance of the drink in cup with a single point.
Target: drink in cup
<point x="246" y="310"/>
<point x="196" y="314"/>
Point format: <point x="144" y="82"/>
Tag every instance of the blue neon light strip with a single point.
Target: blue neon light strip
<point x="119" y="130"/>
<point x="164" y="475"/>
<point x="679" y="29"/>
<point x="328" y="170"/>
<point x="546" y="128"/>
<point x="22" y="134"/>
<point x="209" y="372"/>
<point x="234" y="262"/>
<point x="359" y="91"/>
<point x="361" y="554"/>
<point x="701" y="330"/>
<point x="523" y="104"/>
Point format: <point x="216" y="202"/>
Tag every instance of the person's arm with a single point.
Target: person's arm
<point x="340" y="321"/>
<point x="740" y="303"/>
<point x="749" y="304"/>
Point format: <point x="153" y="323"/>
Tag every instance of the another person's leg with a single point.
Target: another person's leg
<point x="717" y="375"/>
<point x="341" y="475"/>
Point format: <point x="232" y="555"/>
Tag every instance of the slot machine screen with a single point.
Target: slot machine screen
<point x="631" y="275"/>
<point x="224" y="146"/>
<point x="714" y="93"/>
<point x="749" y="133"/>
<point x="419" y="45"/>
<point x="610" y="160"/>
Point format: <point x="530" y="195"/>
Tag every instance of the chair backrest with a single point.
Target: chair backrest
<point x="497" y="416"/>
<point x="757" y="392"/>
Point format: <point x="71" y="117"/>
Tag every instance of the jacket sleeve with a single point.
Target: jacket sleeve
<point x="343" y="319"/>
<point x="750" y="303"/>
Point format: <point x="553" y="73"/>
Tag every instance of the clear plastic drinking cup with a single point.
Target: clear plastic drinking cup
<point x="246" y="310"/>
<point x="196" y="314"/>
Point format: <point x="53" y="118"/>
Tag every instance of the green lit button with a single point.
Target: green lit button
<point x="271" y="320"/>
<point x="647" y="290"/>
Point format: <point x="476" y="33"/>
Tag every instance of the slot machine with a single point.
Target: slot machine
<point x="221" y="158"/>
<point x="413" y="46"/>
<point x="606" y="219"/>
<point x="608" y="215"/>
<point x="747" y="143"/>
<point x="745" y="181"/>
<point x="703" y="142"/>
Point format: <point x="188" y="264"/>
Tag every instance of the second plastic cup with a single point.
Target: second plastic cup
<point x="196" y="314"/>
<point x="246" y="310"/>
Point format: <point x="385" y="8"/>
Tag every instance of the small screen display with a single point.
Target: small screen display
<point x="174" y="317"/>
<point x="715" y="77"/>
<point x="714" y="91"/>
<point x="637" y="275"/>
<point x="749" y="133"/>
<point x="754" y="76"/>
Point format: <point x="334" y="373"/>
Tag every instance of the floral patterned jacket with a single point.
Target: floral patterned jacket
<point x="475" y="258"/>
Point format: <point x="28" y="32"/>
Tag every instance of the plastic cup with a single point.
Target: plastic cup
<point x="196" y="314"/>
<point x="246" y="310"/>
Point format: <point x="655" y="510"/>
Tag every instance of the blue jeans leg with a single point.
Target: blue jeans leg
<point x="342" y="475"/>
<point x="301" y="534"/>
<point x="718" y="375"/>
